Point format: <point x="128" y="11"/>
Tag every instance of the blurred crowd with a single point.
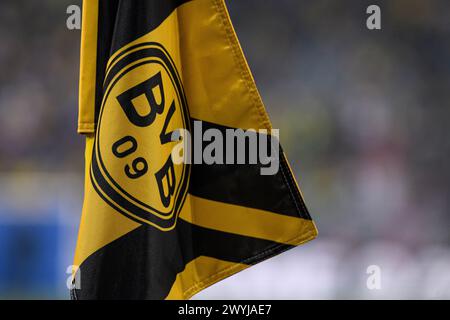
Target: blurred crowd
<point x="362" y="115"/>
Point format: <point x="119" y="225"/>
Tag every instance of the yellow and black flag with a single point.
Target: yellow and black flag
<point x="153" y="227"/>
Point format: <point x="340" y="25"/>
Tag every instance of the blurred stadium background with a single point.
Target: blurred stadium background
<point x="363" y="117"/>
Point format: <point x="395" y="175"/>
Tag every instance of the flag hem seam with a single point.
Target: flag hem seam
<point x="259" y="257"/>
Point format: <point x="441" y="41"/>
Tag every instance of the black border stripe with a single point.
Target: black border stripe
<point x="243" y="184"/>
<point x="144" y="263"/>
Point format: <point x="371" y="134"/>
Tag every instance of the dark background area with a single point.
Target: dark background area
<point x="363" y="117"/>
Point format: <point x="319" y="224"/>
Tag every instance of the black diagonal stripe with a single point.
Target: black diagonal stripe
<point x="143" y="264"/>
<point x="243" y="184"/>
<point x="121" y="22"/>
<point x="138" y="17"/>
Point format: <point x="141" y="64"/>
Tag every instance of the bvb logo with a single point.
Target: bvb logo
<point x="132" y="168"/>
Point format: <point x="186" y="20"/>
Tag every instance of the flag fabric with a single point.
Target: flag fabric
<point x="152" y="228"/>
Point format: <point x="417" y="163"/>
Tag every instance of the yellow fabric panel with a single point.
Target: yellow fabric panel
<point x="199" y="274"/>
<point x="88" y="67"/>
<point x="100" y="224"/>
<point x="247" y="221"/>
<point x="219" y="85"/>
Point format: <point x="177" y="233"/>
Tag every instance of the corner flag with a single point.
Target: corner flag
<point x="154" y="74"/>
